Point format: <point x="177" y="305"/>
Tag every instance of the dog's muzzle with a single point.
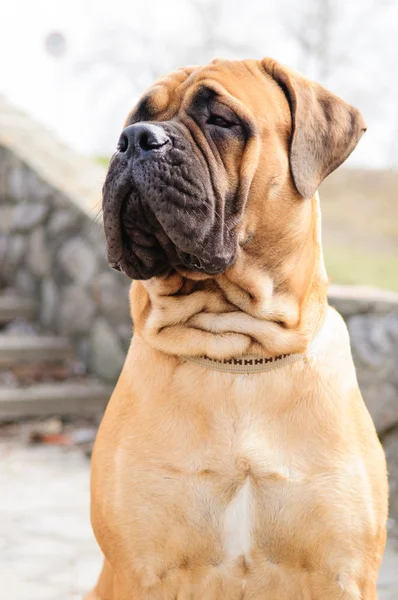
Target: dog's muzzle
<point x="161" y="210"/>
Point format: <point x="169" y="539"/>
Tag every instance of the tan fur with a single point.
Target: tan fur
<point x="210" y="485"/>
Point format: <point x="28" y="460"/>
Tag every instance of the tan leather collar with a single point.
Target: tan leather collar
<point x="245" y="364"/>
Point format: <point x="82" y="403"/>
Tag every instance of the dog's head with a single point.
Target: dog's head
<point x="206" y="145"/>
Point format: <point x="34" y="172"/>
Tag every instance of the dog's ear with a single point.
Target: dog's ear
<point x="325" y="129"/>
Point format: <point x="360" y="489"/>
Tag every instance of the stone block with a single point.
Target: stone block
<point x="373" y="338"/>
<point x="112" y="298"/>
<point x="12" y="253"/>
<point x="38" y="257"/>
<point x="76" y="311"/>
<point x="27" y="216"/>
<point x="49" y="303"/>
<point x="78" y="260"/>
<point x="360" y="299"/>
<point x="107" y="354"/>
<point x="16" y="181"/>
<point x="381" y="398"/>
<point x="62" y="221"/>
<point x="390" y="445"/>
<point x="26" y="283"/>
<point x="6" y="210"/>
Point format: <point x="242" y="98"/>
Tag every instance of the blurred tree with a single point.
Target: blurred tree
<point x="327" y="32"/>
<point x="311" y="24"/>
<point x="214" y="41"/>
<point x="139" y="55"/>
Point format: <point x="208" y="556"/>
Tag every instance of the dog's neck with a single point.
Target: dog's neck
<point x="247" y="310"/>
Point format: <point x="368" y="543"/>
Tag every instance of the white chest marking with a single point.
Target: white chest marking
<point x="237" y="523"/>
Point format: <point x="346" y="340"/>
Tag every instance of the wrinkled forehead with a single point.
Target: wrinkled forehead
<point x="243" y="85"/>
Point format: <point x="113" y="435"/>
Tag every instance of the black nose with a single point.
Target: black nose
<point x="141" y="138"/>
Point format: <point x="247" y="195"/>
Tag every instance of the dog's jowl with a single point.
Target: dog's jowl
<point x="236" y="459"/>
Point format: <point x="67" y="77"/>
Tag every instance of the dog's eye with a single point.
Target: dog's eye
<point x="219" y="122"/>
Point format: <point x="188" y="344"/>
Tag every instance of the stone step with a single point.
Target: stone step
<point x="14" y="307"/>
<point x="88" y="398"/>
<point x="32" y="348"/>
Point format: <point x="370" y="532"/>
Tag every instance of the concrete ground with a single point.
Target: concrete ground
<point x="47" y="549"/>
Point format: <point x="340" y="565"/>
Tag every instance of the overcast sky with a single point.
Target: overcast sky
<point x="84" y="95"/>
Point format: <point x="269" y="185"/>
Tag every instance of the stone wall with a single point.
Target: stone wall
<point x="372" y="319"/>
<point x="52" y="249"/>
<point x="52" y="246"/>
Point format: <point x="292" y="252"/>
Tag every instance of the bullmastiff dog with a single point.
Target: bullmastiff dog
<point x="236" y="458"/>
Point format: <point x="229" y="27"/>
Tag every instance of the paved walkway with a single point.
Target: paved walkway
<point x="47" y="549"/>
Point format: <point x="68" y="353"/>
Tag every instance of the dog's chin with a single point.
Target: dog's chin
<point x="187" y="265"/>
<point x="135" y="271"/>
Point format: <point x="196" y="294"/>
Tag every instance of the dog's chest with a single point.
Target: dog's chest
<point x="229" y="500"/>
<point x="245" y="485"/>
<point x="223" y="495"/>
<point x="238" y="523"/>
<point x="247" y="495"/>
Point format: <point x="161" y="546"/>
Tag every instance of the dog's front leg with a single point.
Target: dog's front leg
<point x="104" y="588"/>
<point x="110" y="587"/>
